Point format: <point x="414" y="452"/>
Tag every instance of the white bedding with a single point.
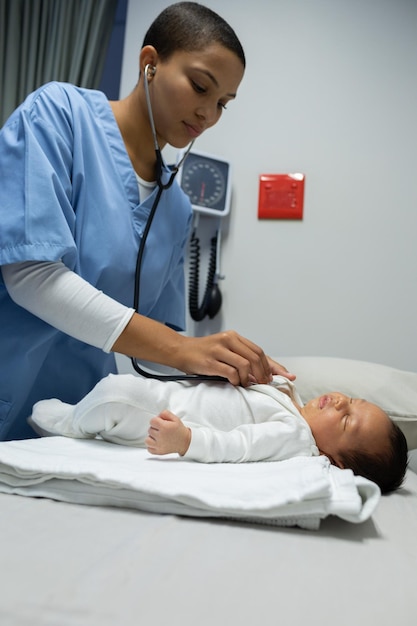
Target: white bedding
<point x="98" y="566"/>
<point x="298" y="492"/>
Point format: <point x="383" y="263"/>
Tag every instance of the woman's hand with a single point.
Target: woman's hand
<point x="167" y="434"/>
<point x="232" y="356"/>
<point x="225" y="354"/>
<point x="280" y="370"/>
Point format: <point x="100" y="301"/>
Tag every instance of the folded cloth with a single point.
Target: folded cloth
<point x="295" y="492"/>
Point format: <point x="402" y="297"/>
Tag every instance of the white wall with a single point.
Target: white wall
<point x="330" y="90"/>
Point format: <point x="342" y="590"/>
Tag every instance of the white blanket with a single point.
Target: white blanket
<point x="297" y="492"/>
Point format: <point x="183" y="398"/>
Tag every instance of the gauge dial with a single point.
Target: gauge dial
<point x="205" y="179"/>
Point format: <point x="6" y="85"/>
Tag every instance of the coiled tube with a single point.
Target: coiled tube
<point x="212" y="298"/>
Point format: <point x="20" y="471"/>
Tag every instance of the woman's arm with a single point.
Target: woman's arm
<point x="226" y="354"/>
<point x="66" y="301"/>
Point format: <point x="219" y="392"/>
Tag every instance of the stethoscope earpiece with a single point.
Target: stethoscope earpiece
<point x="150" y="71"/>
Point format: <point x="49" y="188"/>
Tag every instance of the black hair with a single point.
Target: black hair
<point x="189" y="26"/>
<point x="386" y="469"/>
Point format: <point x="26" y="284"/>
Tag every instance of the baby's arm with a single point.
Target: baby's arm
<point x="167" y="434"/>
<point x="265" y="441"/>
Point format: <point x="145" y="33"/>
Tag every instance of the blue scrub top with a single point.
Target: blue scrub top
<point x="68" y="192"/>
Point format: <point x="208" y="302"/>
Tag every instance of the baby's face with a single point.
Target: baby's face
<point x="343" y="424"/>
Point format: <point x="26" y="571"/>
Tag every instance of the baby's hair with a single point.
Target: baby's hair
<point x="189" y="26"/>
<point x="386" y="469"/>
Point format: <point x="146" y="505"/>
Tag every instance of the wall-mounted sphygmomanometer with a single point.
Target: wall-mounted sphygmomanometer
<point x="206" y="180"/>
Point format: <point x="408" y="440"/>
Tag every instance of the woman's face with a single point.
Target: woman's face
<point x="190" y="90"/>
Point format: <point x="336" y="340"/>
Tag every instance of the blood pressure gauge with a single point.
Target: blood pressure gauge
<point x="206" y="180"/>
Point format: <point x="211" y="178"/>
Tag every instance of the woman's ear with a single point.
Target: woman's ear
<point x="148" y="56"/>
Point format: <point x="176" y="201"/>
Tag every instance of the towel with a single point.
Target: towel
<point x="296" y="492"/>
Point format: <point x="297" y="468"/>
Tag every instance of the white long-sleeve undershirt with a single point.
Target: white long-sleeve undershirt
<point x="67" y="302"/>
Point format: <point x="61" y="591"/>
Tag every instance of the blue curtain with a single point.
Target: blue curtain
<point x="43" y="40"/>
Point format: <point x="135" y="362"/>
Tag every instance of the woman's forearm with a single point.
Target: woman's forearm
<point x="225" y="354"/>
<point x="148" y="340"/>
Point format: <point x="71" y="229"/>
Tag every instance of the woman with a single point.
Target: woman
<point x="77" y="183"/>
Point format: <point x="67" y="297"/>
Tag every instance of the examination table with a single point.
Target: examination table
<point x="70" y="564"/>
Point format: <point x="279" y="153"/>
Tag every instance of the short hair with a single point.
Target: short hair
<point x="189" y="26"/>
<point x="387" y="469"/>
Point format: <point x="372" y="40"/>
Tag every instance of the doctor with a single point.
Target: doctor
<point x="77" y="182"/>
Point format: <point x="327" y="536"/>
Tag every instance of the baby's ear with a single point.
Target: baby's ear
<point x="332" y="460"/>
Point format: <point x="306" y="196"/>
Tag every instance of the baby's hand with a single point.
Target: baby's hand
<point x="167" y="434"/>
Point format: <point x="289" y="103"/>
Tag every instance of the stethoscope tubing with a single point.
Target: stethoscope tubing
<point x="136" y="296"/>
<point x="135" y="364"/>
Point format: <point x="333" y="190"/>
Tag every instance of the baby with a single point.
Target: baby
<point x="214" y="422"/>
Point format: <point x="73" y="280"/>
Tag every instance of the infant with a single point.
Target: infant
<point x="214" y="422"/>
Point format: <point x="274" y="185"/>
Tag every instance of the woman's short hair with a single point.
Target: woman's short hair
<point x="189" y="26"/>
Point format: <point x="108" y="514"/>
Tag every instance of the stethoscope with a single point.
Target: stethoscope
<point x="150" y="71"/>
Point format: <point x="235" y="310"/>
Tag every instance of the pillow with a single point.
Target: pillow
<point x="395" y="391"/>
